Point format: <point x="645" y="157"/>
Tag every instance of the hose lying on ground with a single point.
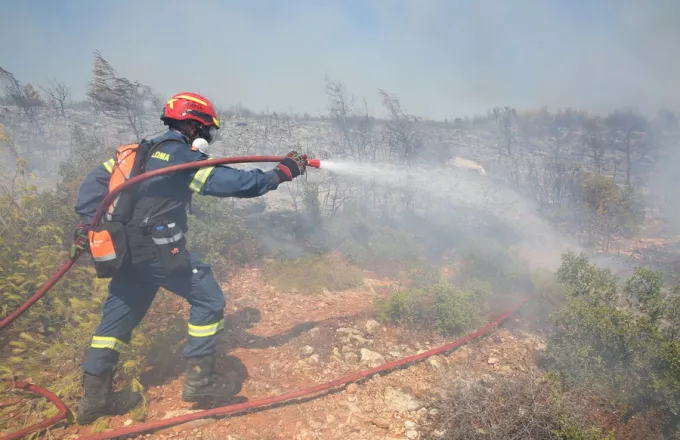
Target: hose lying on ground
<point x="268" y="401"/>
<point x="63" y="410"/>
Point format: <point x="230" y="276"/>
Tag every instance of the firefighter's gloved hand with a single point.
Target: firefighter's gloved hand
<point x="291" y="166"/>
<point x="81" y="242"/>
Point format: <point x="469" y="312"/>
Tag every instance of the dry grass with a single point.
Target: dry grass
<point x="312" y="274"/>
<point x="526" y="406"/>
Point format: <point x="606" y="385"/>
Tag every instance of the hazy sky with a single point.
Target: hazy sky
<point x="441" y="58"/>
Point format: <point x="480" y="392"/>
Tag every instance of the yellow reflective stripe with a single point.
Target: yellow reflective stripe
<point x="108" y="342"/>
<point x="191" y="98"/>
<point x="201" y="331"/>
<point x="109" y="165"/>
<point x="199" y="179"/>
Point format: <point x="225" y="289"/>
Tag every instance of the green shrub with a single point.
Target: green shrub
<point x="218" y="236"/>
<point x="442" y="306"/>
<point x="52" y="336"/>
<point x="621" y="340"/>
<point x="549" y="296"/>
<point x="423" y="276"/>
<point x="312" y="274"/>
<point x="46" y="345"/>
<point x="611" y="209"/>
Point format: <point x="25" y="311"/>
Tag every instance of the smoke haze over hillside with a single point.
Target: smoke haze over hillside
<point x="442" y="58"/>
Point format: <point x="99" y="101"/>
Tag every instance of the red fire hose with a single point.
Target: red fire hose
<point x="268" y="401"/>
<point x="63" y="410"/>
<point x="231" y="409"/>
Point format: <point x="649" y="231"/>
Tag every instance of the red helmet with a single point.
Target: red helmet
<point x="186" y="105"/>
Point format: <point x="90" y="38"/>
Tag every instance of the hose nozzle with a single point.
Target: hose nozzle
<point x="314" y="163"/>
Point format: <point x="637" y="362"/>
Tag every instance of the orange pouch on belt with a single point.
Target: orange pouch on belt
<point x="109" y="248"/>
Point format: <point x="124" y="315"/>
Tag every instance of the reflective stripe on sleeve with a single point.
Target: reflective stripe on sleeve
<point x="109" y="165"/>
<point x="200" y="178"/>
<point x="202" y="331"/>
<point x="108" y="342"/>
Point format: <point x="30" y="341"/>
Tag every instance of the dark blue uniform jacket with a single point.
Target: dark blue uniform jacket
<point x="175" y="189"/>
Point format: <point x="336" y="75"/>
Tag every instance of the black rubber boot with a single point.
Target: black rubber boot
<point x="98" y="399"/>
<point x="201" y="382"/>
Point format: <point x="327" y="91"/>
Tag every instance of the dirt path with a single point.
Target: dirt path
<point x="277" y="342"/>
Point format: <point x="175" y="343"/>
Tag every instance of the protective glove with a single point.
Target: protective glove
<point x="291" y="166"/>
<point x="81" y="242"/>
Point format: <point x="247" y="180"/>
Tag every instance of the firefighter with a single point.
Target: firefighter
<point x="161" y="202"/>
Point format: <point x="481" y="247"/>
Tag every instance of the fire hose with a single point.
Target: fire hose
<point x="225" y="410"/>
<point x="61" y="406"/>
<point x="268" y="401"/>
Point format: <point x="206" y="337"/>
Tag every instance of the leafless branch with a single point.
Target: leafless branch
<point x="58" y="93"/>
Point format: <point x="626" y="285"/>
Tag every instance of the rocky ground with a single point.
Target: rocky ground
<point x="278" y="342"/>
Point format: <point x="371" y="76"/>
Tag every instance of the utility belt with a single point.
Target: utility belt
<point x="114" y="244"/>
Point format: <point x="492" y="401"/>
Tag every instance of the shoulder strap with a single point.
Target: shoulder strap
<point x="123" y="206"/>
<point x="130" y="161"/>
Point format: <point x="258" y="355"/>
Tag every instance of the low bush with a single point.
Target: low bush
<point x="621" y="339"/>
<point x="527" y="406"/>
<point x="422" y="275"/>
<point x="610" y="209"/>
<point x="549" y="296"/>
<point x="438" y="305"/>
